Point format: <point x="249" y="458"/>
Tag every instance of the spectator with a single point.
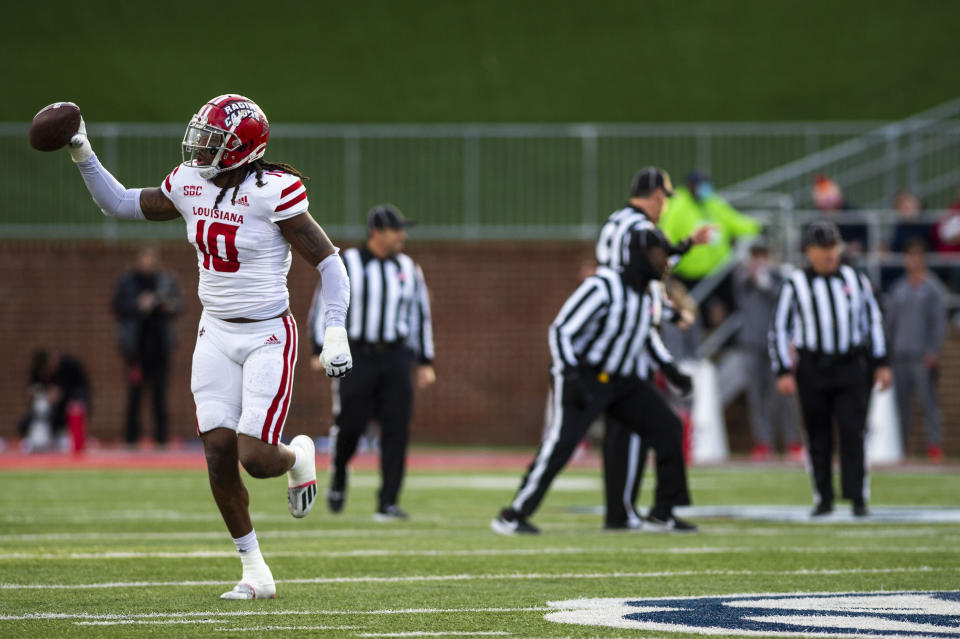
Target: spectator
<point x="756" y="285"/>
<point x="947" y="230"/>
<point x="58" y="392"/>
<point x="145" y="302"/>
<point x="829" y="199"/>
<point x="916" y="322"/>
<point x="946" y="241"/>
<point x="694" y="206"/>
<point x="907" y="227"/>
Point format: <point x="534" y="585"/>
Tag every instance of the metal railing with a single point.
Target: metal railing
<point x="921" y="153"/>
<point x="457" y="181"/>
<point x="783" y="231"/>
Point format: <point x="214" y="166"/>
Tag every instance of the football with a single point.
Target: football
<point x="54" y="125"/>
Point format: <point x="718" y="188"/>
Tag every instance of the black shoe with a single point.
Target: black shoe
<point x="335" y="500"/>
<point x="622" y="525"/>
<point x="337" y="492"/>
<point x="511" y="523"/>
<point x="390" y="513"/>
<point x="823" y="508"/>
<point x="670" y="524"/>
<point x="860" y="509"/>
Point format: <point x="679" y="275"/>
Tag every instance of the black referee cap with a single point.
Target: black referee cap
<point x="386" y="216"/>
<point x="649" y="179"/>
<point x="820" y="233"/>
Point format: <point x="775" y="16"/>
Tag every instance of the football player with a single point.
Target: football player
<point x="242" y="214"/>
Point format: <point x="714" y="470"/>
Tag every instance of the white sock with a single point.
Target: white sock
<point x="247" y="544"/>
<point x="255" y="569"/>
<point x="252" y="561"/>
<point x="300" y="457"/>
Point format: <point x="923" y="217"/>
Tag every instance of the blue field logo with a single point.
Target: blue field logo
<point x="861" y="614"/>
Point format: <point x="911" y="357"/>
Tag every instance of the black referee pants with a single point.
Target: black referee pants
<point x="624" y="459"/>
<point x="835" y="393"/>
<point x="379" y="387"/>
<point x="578" y="400"/>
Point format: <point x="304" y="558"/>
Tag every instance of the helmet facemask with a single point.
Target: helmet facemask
<point x="203" y="137"/>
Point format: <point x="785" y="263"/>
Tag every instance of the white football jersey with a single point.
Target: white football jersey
<point x="242" y="256"/>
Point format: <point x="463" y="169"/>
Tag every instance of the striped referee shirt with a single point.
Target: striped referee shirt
<point x="615" y="236"/>
<point x="826" y="315"/>
<point x="389" y="303"/>
<point x="607" y="325"/>
<point x="613" y="244"/>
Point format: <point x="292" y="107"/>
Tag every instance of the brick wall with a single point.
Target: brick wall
<point x="491" y="310"/>
<point x="492" y="303"/>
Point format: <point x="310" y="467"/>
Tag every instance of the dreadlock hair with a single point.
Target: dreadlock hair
<point x="257" y="167"/>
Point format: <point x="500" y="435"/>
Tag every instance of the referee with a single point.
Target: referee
<point x="827" y="313"/>
<point x="595" y="343"/>
<point x="649" y="192"/>
<point x="391" y="336"/>
<point x="623" y="451"/>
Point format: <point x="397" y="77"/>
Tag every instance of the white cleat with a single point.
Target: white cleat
<point x="302" y="483"/>
<point x="245" y="590"/>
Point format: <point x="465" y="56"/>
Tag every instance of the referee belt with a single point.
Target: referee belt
<point x="826" y="360"/>
<point x="376" y="347"/>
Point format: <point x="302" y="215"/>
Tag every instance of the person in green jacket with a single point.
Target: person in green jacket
<point x="694" y="206"/>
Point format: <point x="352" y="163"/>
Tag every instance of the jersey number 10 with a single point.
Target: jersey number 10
<point x="209" y="246"/>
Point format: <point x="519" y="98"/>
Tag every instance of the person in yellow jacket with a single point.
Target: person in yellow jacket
<point x="694" y="206"/>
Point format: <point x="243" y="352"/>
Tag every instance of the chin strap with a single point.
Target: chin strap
<point x="210" y="172"/>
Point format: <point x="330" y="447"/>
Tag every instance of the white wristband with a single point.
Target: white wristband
<point x="79" y="146"/>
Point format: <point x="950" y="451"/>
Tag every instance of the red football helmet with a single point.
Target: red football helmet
<point x="231" y="129"/>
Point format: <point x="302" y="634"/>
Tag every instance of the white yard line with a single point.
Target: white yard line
<point x="259" y="613"/>
<point x="142" y="622"/>
<point x="173" y="622"/>
<point x="501" y="577"/>
<point x="492" y="552"/>
<point x="414" y="633"/>
<point x="268" y="628"/>
<point x="277" y="628"/>
<point x="759" y="530"/>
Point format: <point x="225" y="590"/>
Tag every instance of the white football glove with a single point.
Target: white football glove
<point x="336" y="357"/>
<point x="79" y="146"/>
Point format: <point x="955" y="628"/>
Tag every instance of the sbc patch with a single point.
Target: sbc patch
<point x="860" y="614"/>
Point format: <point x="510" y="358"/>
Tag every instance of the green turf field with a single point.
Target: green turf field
<point x="75" y="537"/>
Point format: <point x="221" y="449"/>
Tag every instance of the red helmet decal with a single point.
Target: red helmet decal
<point x="232" y="129"/>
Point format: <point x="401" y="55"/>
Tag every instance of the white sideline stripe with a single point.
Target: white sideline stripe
<point x="260" y="613"/>
<point x="469" y="577"/>
<point x="333" y="554"/>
